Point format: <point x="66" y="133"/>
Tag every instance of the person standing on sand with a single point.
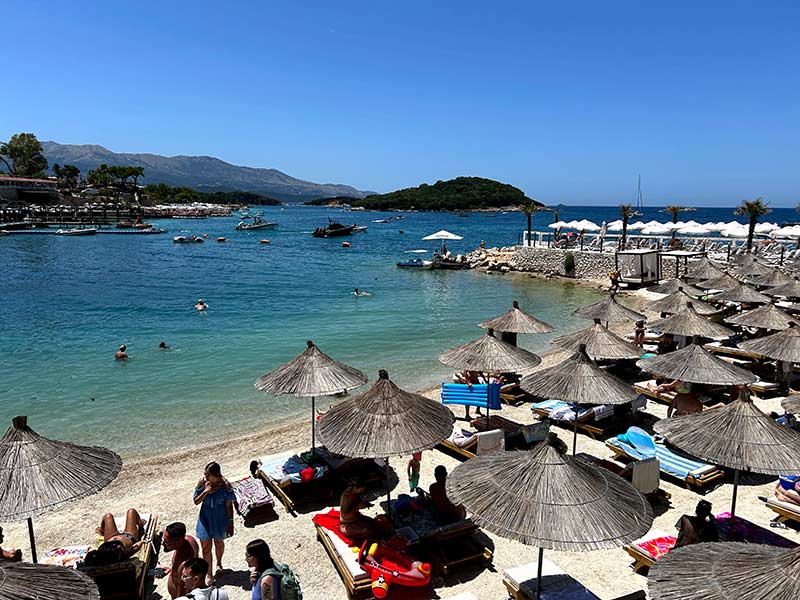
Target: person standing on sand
<point x="413" y="470"/>
<point x="121" y="353"/>
<point x="185" y="547"/>
<point x="259" y="561"/>
<point x="215" y="522"/>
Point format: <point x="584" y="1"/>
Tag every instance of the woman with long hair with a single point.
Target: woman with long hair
<point x="215" y="522"/>
<point x="259" y="560"/>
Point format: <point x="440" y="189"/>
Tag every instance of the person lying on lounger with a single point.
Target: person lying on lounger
<point x="14" y="555"/>
<point x="788" y="490"/>
<point x="353" y="524"/>
<point x="698" y="528"/>
<point x="117" y="545"/>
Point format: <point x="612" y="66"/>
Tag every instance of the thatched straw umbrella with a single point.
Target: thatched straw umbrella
<point x="738" y="436"/>
<point x="771" y="279"/>
<point x="25" y="581"/>
<point x="577" y="379"/>
<point x="694" y="364"/>
<point x="38" y="475"/>
<point x="723" y="281"/>
<point x="688" y="323"/>
<point x="741" y="293"/>
<point x="784" y="345"/>
<point x="791" y="404"/>
<point x="385" y="421"/>
<point x="724" y="571"/>
<point x="608" y="311"/>
<point x="516" y="321"/>
<point x="787" y="290"/>
<point x="312" y="373"/>
<point x="673" y="285"/>
<point x="768" y="316"/>
<point x="750" y="266"/>
<point x="544" y="498"/>
<point x="678" y="300"/>
<point x="704" y="269"/>
<point x="489" y="355"/>
<point x="601" y="344"/>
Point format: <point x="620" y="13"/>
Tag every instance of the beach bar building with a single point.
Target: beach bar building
<point x="639" y="265"/>
<point x="28" y="190"/>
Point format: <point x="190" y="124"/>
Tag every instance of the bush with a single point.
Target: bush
<point x="569" y="264"/>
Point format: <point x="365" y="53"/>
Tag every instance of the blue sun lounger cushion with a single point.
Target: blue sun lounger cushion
<point x="634" y="444"/>
<point x="474" y="395"/>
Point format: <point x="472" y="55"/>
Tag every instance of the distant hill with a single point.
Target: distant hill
<point x="461" y="193"/>
<point x="204" y="173"/>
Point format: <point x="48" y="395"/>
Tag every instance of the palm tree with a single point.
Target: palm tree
<point x="752" y="209"/>
<point x="528" y="208"/>
<point x="626" y="211"/>
<point x="675" y="210"/>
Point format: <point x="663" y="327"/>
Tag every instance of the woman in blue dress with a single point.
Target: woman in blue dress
<point x="215" y="523"/>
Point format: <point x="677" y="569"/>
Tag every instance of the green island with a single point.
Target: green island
<point x="461" y="193"/>
<point x="161" y="193"/>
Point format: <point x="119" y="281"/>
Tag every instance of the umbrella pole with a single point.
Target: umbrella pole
<point x="313" y="430"/>
<point x="539" y="575"/>
<point x="733" y="502"/>
<point x="575" y="431"/>
<point x="488" y="389"/>
<point x="388" y="489"/>
<point x="33" y="540"/>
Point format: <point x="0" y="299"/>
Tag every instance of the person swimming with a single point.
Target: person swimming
<point x="357" y="292"/>
<point x="163" y="346"/>
<point x="201" y="306"/>
<point x="121" y="353"/>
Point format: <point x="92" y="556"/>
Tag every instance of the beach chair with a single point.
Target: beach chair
<point x="517" y="435"/>
<point x="127" y="580"/>
<point x="291" y="479"/>
<point x="356" y="580"/>
<point x="649" y="548"/>
<point x="556" y="584"/>
<point x="647" y="388"/>
<point x="252" y="498"/>
<point x="461" y="444"/>
<point x="512" y="394"/>
<point x="785" y="510"/>
<point x="489" y="442"/>
<point x="637" y="444"/>
<point x="596" y="422"/>
<point x="472" y="395"/>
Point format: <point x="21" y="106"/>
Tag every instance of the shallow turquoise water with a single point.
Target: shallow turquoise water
<point x="67" y="303"/>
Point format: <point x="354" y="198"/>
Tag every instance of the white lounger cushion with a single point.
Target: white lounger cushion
<point x="490" y="441"/>
<point x="345" y="552"/>
<point x="788" y="506"/>
<point x="556" y="585"/>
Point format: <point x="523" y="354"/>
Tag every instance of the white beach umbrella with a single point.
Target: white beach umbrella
<point x="652" y="223"/>
<point x="586" y="225"/>
<point x="766" y="227"/>
<point x="695" y="229"/>
<point x="558" y="225"/>
<point x="692" y="223"/>
<point x="735" y="231"/>
<point x="572" y="224"/>
<point x="786" y="232"/>
<point x="442" y="235"/>
<point x="674" y="226"/>
<point x="636" y="225"/>
<point x="657" y="229"/>
<point x="615" y="225"/>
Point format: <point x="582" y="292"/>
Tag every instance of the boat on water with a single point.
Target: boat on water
<point x="415" y="263"/>
<point x="380" y="220"/>
<point x="334" y="229"/>
<point x="182" y="239"/>
<point x="77" y="231"/>
<point x="359" y="228"/>
<point x="450" y="264"/>
<point x="253" y="223"/>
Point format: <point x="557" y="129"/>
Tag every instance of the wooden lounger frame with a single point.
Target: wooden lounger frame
<point x="642" y="560"/>
<point x="590" y="429"/>
<point x="355" y="587"/>
<point x="730" y="351"/>
<point x="460" y="452"/>
<point x="455" y="546"/>
<point x="517" y="594"/>
<point x="703" y="483"/>
<point x="784" y="513"/>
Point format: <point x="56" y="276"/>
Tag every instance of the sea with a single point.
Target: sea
<point x="67" y="303"/>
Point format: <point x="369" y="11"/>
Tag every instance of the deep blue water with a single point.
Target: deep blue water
<point x="67" y="303"/>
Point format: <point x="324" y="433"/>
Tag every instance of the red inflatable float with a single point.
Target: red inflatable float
<point x="387" y="565"/>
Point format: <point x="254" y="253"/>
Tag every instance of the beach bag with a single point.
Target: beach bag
<point x="288" y="584"/>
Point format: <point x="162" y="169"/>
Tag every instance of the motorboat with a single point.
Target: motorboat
<point x="359" y="228"/>
<point x="253" y="223"/>
<point x="334" y="229"/>
<point x="380" y="221"/>
<point x="182" y="239"/>
<point x="450" y="264"/>
<point x="415" y="263"/>
<point x="77" y="231"/>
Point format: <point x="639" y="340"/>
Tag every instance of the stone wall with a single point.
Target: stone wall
<point x="551" y="260"/>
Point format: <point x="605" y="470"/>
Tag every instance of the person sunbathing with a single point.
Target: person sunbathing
<point x="14" y="555"/>
<point x="698" y="528"/>
<point x="788" y="490"/>
<point x="129" y="537"/>
<point x="448" y="512"/>
<point x="353" y="524"/>
<point x="185" y="547"/>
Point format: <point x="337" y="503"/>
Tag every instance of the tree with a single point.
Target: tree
<point x="22" y="156"/>
<point x="752" y="209"/>
<point x="626" y="211"/>
<point x="100" y="177"/>
<point x="675" y="210"/>
<point x="528" y="208"/>
<point x="67" y="177"/>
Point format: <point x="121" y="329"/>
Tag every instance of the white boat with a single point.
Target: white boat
<point x="77" y="231"/>
<point x="380" y="221"/>
<point x="252" y="223"/>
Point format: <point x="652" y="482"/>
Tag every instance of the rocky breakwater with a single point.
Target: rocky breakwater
<point x="548" y="261"/>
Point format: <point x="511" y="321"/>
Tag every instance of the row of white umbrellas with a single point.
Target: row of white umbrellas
<point x="730" y="229"/>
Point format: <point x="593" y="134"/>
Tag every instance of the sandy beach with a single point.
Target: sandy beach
<point x="164" y="485"/>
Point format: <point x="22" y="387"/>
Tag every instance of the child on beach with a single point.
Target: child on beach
<point x="413" y="471"/>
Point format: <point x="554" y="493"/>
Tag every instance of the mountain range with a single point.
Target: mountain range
<point x="203" y="173"/>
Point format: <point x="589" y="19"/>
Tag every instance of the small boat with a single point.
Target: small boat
<point x="345" y="244"/>
<point x="415" y="263"/>
<point x="439" y="262"/>
<point x="387" y="565"/>
<point x="221" y="239"/>
<point x="263" y="241"/>
<point x="334" y="229"/>
<point x="380" y="221"/>
<point x="359" y="228"/>
<point x="77" y="231"/>
<point x="182" y="239"/>
<point x="252" y="223"/>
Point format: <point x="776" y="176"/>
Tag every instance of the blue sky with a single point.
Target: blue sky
<point x="569" y="101"/>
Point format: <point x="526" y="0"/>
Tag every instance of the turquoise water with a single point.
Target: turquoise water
<point x="67" y="303"/>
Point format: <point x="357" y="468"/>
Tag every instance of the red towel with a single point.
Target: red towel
<point x="330" y="521"/>
<point x="658" y="547"/>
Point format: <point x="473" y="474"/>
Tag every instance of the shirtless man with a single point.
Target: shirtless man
<point x="185" y="547"/>
<point x="201" y="306"/>
<point x="353" y="523"/>
<point x="14" y="555"/>
<point x="121" y="353"/>
<point x="129" y="538"/>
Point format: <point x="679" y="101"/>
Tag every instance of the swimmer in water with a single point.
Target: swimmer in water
<point x="201" y="306"/>
<point x="360" y="293"/>
<point x="121" y="354"/>
<point x="163" y="346"/>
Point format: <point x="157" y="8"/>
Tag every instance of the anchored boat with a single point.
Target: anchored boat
<point x="252" y="223"/>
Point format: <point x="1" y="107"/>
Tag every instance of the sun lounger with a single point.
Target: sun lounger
<point x="127" y="580"/>
<point x="786" y="511"/>
<point x="471" y="395"/>
<point x="460" y="444"/>
<point x="356" y="580"/>
<point x="556" y="584"/>
<point x="647" y="388"/>
<point x="720" y="348"/>
<point x="644" y="474"/>
<point x="251" y="494"/>
<point x="288" y="476"/>
<point x="66" y="556"/>
<point x="490" y="442"/>
<point x="512" y="394"/>
<point x="517" y="435"/>
<point x="596" y="421"/>
<point x="649" y="548"/>
<point x="763" y="388"/>
<point x="691" y="471"/>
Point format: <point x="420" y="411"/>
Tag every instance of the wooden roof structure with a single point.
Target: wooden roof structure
<point x="678" y="300"/>
<point x="723" y="281"/>
<point x="772" y="278"/>
<point x="27" y="581"/>
<point x="768" y="316"/>
<point x="609" y="310"/>
<point x="787" y="290"/>
<point x="783" y="345"/>
<point x="673" y="285"/>
<point x="741" y="293"/>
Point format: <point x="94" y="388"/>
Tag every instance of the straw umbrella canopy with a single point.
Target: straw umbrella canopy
<point x="678" y="300"/>
<point x="579" y="380"/>
<point x="516" y="321"/>
<point x="488" y="354"/>
<point x="784" y="345"/>
<point x="608" y="310"/>
<point x="694" y="364"/>
<point x="545" y="498"/>
<point x="768" y="316"/>
<point x="601" y="344"/>
<point x="704" y="269"/>
<point x="721" y="281"/>
<point x="26" y="581"/>
<point x="673" y="285"/>
<point x="385" y="421"/>
<point x="787" y="290"/>
<point x="38" y="475"/>
<point x="750" y="266"/>
<point x="742" y="293"/>
<point x="726" y="571"/>
<point x="770" y="279"/>
<point x="791" y="404"/>
<point x="688" y="323"/>
<point x="311" y="373"/>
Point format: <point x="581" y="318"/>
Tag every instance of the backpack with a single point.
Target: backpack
<point x="288" y="584"/>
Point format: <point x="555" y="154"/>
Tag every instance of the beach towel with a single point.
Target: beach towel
<point x="490" y="441"/>
<point x="285" y="468"/>
<point x="330" y="521"/>
<point x="250" y="494"/>
<point x="658" y="546"/>
<point x="461" y="437"/>
<point x="67" y="556"/>
<point x="743" y="530"/>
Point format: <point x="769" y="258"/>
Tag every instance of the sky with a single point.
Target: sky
<point x="569" y="101"/>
